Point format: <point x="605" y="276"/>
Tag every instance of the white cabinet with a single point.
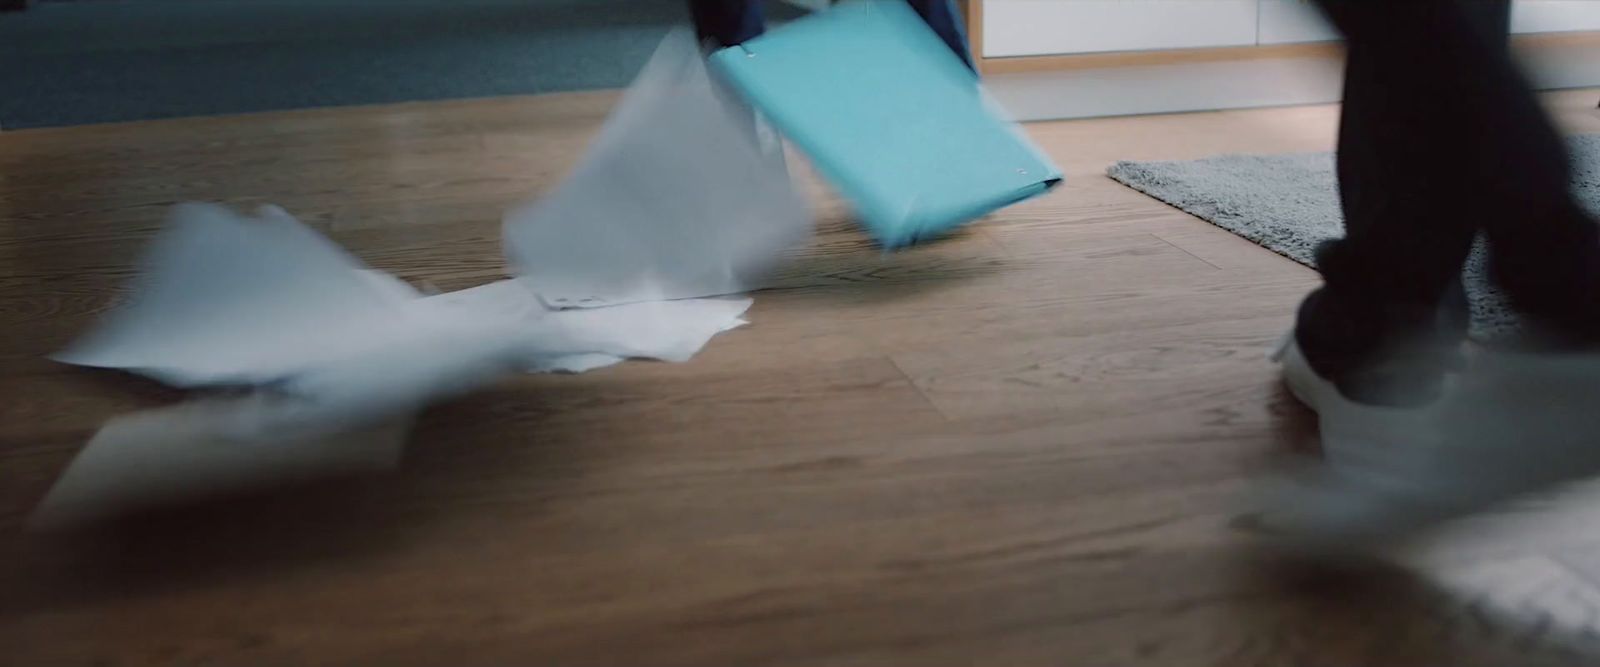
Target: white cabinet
<point x="1051" y="27"/>
<point x="1288" y="21"/>
<point x="1554" y="15"/>
<point x="1291" y="21"/>
<point x="1130" y="84"/>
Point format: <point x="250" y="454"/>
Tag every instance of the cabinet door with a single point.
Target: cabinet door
<point x="1287" y="21"/>
<point x="1554" y="15"/>
<point x="1290" y="21"/>
<point x="1050" y="27"/>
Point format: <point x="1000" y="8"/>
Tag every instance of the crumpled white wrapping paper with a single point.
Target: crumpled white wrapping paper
<point x="325" y="361"/>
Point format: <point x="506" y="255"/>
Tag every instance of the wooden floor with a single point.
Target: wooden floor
<point x="1023" y="445"/>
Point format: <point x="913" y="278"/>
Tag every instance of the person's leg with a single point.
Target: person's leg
<point x="725" y="23"/>
<point x="942" y="16"/>
<point x="1442" y="138"/>
<point x="1544" y="247"/>
<point x="1433" y="131"/>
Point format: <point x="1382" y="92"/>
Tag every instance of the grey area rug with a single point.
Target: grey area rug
<point x="1290" y="204"/>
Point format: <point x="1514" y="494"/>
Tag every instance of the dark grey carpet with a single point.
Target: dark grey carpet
<point x="1290" y="203"/>
<point x="92" y="61"/>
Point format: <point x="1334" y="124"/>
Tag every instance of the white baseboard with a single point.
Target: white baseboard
<point x="1201" y="86"/>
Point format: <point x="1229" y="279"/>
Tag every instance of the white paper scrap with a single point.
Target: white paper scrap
<point x="676" y="199"/>
<point x="170" y="455"/>
<point x="580" y="339"/>
<point x="681" y="197"/>
<point x="225" y="299"/>
<point x="228" y="300"/>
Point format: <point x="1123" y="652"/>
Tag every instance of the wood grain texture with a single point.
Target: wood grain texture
<point x="1021" y="445"/>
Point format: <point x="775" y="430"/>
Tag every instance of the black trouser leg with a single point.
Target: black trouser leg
<point x="941" y="15"/>
<point x="1440" y="138"/>
<point x="726" y="22"/>
<point x="729" y="22"/>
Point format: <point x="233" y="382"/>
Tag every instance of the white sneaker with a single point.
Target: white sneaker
<point x="1308" y="387"/>
<point x="1514" y="424"/>
<point x="1351" y="432"/>
<point x="1346" y="502"/>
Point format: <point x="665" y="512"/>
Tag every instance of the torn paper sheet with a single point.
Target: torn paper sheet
<point x="186" y="452"/>
<point x="577" y="340"/>
<point x="677" y="198"/>
<point x="337" y="358"/>
<point x="266" y="302"/>
<point x="228" y="300"/>
<point x="225" y="299"/>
